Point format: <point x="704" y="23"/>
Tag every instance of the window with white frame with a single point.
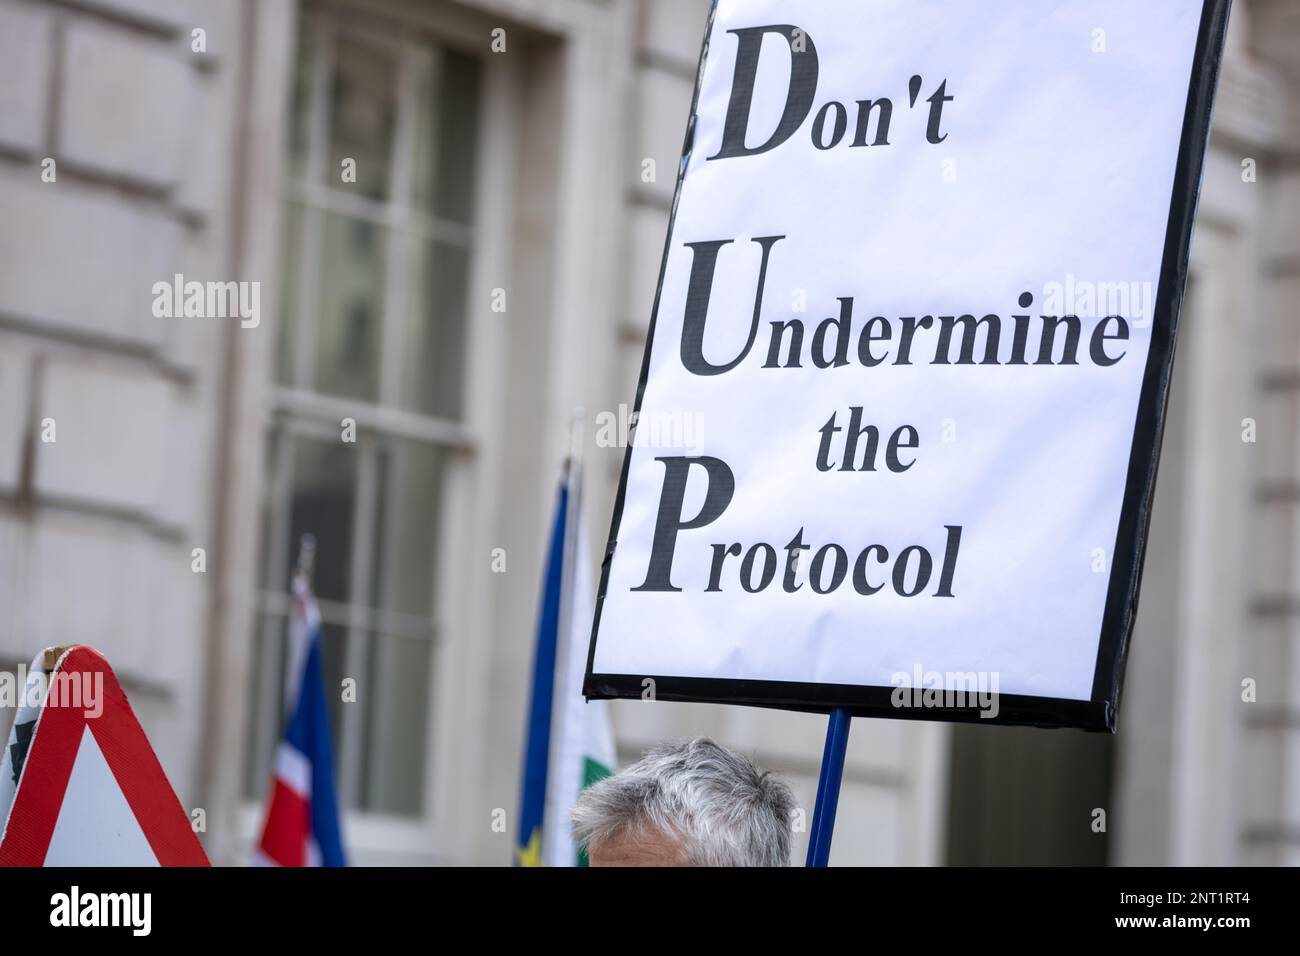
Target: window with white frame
<point x="372" y="329"/>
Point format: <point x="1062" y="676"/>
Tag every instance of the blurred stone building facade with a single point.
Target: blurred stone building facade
<point x="499" y="151"/>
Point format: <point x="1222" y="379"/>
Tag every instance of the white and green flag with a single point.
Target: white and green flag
<point x="582" y="739"/>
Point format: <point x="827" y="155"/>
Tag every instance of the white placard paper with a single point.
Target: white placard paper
<point x="900" y="409"/>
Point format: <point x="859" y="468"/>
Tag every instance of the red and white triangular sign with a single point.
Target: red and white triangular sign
<point x="91" y="791"/>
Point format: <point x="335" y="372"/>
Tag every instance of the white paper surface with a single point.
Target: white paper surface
<point x="1056" y="172"/>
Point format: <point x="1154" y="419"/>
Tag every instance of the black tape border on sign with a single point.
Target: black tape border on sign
<point x="1101" y="712"/>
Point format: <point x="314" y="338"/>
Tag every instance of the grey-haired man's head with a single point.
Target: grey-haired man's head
<point x="686" y="803"/>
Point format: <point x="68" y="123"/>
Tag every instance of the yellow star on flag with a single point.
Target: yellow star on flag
<point x="531" y="855"/>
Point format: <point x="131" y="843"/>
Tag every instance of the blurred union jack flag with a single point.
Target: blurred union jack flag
<point x="302" y="819"/>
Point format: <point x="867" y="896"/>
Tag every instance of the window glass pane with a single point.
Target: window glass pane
<point x="406" y="527"/>
<point x="351" y="307"/>
<point x="268" y="507"/>
<point x="290" y="277"/>
<point x="398" y="668"/>
<point x="266" y="695"/>
<point x="322" y="503"/>
<point x="300" y="118"/>
<point x="433" y="354"/>
<point x="363" y="107"/>
<point x="396" y="725"/>
<point x="333" y="646"/>
<point x="446" y="136"/>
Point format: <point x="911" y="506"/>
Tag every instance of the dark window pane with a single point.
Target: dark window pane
<point x="446" y="137"/>
<point x="396" y="725"/>
<point x="291" y="278"/>
<point x="334" y="639"/>
<point x="351" y="307"/>
<point x="433" y="356"/>
<point x="362" y="111"/>
<point x="406" y="527"/>
<point x="323" y="500"/>
<point x="300" y="117"/>
<point x="266" y="701"/>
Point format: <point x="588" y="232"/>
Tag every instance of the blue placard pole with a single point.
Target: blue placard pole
<point x="828" y="787"/>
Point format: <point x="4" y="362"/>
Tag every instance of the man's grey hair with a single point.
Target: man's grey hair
<point x="725" y="811"/>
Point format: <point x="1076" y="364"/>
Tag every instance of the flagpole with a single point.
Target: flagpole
<point x="573" y="457"/>
<point x="297" y="646"/>
<point x="306" y="556"/>
<point x="828" y="787"/>
<point x="560" y="689"/>
<point x="573" y="484"/>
